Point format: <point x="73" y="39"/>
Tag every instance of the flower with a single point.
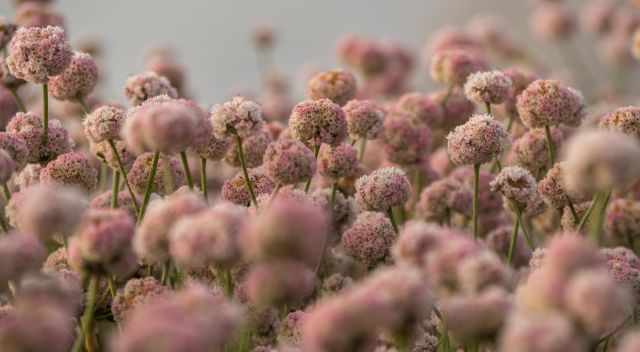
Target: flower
<point x="383" y="189"/>
<point x="478" y="141"/>
<point x="78" y="80"/>
<point x="142" y="87"/>
<point x="37" y="54"/>
<point x="369" y="238"/>
<point x="338" y="86"/>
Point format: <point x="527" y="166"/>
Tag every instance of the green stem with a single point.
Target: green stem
<point x="150" y="182"/>
<point x="18" y="100"/>
<point x="551" y="149"/>
<point x="476" y="193"/>
<point x="45" y="113"/>
<point x="115" y="183"/>
<point x="84" y="106"/>
<point x="228" y="282"/>
<point x="334" y="188"/>
<point x="525" y="231"/>
<point x="316" y="150"/>
<point x="112" y="287"/>
<point x="6" y="192"/>
<point x="87" y="320"/>
<point x="164" y="277"/>
<point x="247" y="180"/>
<point x="587" y="214"/>
<point x="488" y="107"/>
<point x="203" y="179"/>
<point x="596" y="226"/>
<point x="574" y="213"/>
<point x="514" y="240"/>
<point x="392" y="219"/>
<point x="3" y="224"/>
<point x="123" y="171"/>
<point x="363" y="147"/>
<point x="187" y="171"/>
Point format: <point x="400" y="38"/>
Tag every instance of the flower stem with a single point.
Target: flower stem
<point x="488" y="107"/>
<point x="6" y="192"/>
<point x="551" y="149"/>
<point x="587" y="214"/>
<point x="334" y="188"/>
<point x="18" y="100"/>
<point x="243" y="163"/>
<point x="115" y="187"/>
<point x="89" y="311"/>
<point x="187" y="171"/>
<point x="476" y="193"/>
<point x="596" y="226"/>
<point x="45" y="113"/>
<point x="514" y="240"/>
<point x="316" y="150"/>
<point x="123" y="171"/>
<point x="574" y="213"/>
<point x="150" y="182"/>
<point x="228" y="283"/>
<point x="363" y="146"/>
<point x="393" y="220"/>
<point x="84" y="106"/>
<point x="203" y="178"/>
<point x="527" y="236"/>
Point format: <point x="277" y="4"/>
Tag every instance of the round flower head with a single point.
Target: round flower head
<point x="442" y="198"/>
<point x="276" y="283"/>
<point x="601" y="160"/>
<point x="499" y="241"/>
<point x="490" y="87"/>
<point x="339" y="86"/>
<point x="452" y="67"/>
<point x="530" y="150"/>
<point x="456" y="108"/>
<point x="104" y="152"/>
<point x="125" y="202"/>
<point x="213" y="147"/>
<point x="415" y="240"/>
<point x="625" y="120"/>
<point x="536" y="332"/>
<point x="404" y="142"/>
<point x="369" y="239"/>
<point x="29" y="128"/>
<point x="624" y="267"/>
<point x="547" y="103"/>
<point x="74" y="169"/>
<point x="364" y="118"/>
<point x="622" y="220"/>
<point x="208" y="238"/>
<point x="62" y="288"/>
<point x="338" y="161"/>
<point x="169" y="175"/>
<point x="77" y="80"/>
<point x="553" y="190"/>
<point x="568" y="222"/>
<point x="552" y="21"/>
<point x="383" y="189"/>
<point x="318" y="121"/>
<point x="135" y="293"/>
<point x="275" y="232"/>
<point x="142" y="87"/>
<point x="19" y="254"/>
<point x="167" y="66"/>
<point x="421" y="109"/>
<point x="598" y="16"/>
<point x="15" y="147"/>
<point x="253" y="147"/>
<point x="59" y="218"/>
<point x="104" y="123"/>
<point x="238" y="116"/>
<point x="41" y="327"/>
<point x="516" y="184"/>
<point x="102" y="241"/>
<point x="597" y="301"/>
<point x="8" y="106"/>
<point x="37" y="54"/>
<point x="478" y="141"/>
<point x="36" y="14"/>
<point x="7" y="166"/>
<point x="151" y="242"/>
<point x="235" y="189"/>
<point x="288" y="161"/>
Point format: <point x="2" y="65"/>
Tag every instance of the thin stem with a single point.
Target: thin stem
<point x="228" y="283"/>
<point x="587" y="214"/>
<point x="115" y="182"/>
<point x="112" y="287"/>
<point x="551" y="149"/>
<point x="316" y="150"/>
<point x="18" y="100"/>
<point x="247" y="180"/>
<point x="123" y="171"/>
<point x="514" y="240"/>
<point x="84" y="106"/>
<point x="3" y="224"/>
<point x="574" y="213"/>
<point x="488" y="107"/>
<point x="45" y="113"/>
<point x="334" y="188"/>
<point x="150" y="182"/>
<point x="164" y="277"/>
<point x="203" y="178"/>
<point x="476" y="193"/>
<point x="363" y="147"/>
<point x="6" y="192"/>
<point x="527" y="236"/>
<point x="510" y="122"/>
<point x="445" y="100"/>
<point x="89" y="311"/>
<point x="393" y="220"/>
<point x="187" y="171"/>
<point x="596" y="226"/>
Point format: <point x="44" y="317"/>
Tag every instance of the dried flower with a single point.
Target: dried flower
<point x="490" y="87"/>
<point x="78" y="80"/>
<point x="478" y="141"/>
<point x="237" y="116"/>
<point x="369" y="239"/>
<point x="73" y="169"/>
<point x="364" y="118"/>
<point x="339" y="86"/>
<point x="142" y="87"/>
<point x="383" y="189"/>
<point x="318" y="121"/>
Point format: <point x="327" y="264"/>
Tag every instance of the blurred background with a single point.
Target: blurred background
<point x="213" y="37"/>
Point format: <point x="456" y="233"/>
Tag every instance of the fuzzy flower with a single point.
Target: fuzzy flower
<point x="7" y="166"/>
<point x="499" y="240"/>
<point x="103" y="242"/>
<point x="530" y="150"/>
<point x="288" y="161"/>
<point x="73" y="169"/>
<point x="421" y="109"/>
<point x="547" y="103"/>
<point x="235" y="189"/>
<point x="142" y="87"/>
<point x="625" y="120"/>
<point x="456" y="107"/>
<point x="169" y="176"/>
<point x="60" y="218"/>
<point x="152" y="240"/>
<point x="490" y="87"/>
<point x="442" y="198"/>
<point x="104" y="152"/>
<point x="478" y="141"/>
<point x="553" y="21"/>
<point x="339" y="86"/>
<point x="382" y="189"/>
<point x="532" y="333"/>
<point x="516" y="184"/>
<point x="364" y="118"/>
<point x="19" y="254"/>
<point x="416" y="239"/>
<point x="29" y="128"/>
<point x="601" y="160"/>
<point x="125" y="202"/>
<point x="369" y="239"/>
<point x="404" y="142"/>
<point x="276" y="283"/>
<point x="135" y="293"/>
<point x="37" y="54"/>
<point x="275" y="233"/>
<point x="42" y="327"/>
<point x="8" y="105"/>
<point x="452" y="67"/>
<point x="253" y="147"/>
<point x="213" y="147"/>
<point x="36" y="14"/>
<point x="624" y="267"/>
<point x="553" y="190"/>
<point x="336" y="162"/>
<point x="208" y="238"/>
<point x="622" y="220"/>
<point x="237" y="116"/>
<point x="318" y="121"/>
<point x="77" y="80"/>
<point x="104" y="123"/>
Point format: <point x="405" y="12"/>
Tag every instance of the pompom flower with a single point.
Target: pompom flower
<point x="490" y="87"/>
<point x="288" y="161"/>
<point x="369" y="239"/>
<point x="318" y="121"/>
<point x="235" y="189"/>
<point x="77" y="80"/>
<point x="364" y="118"/>
<point x="338" y="161"/>
<point x="142" y="87"/>
<point x="421" y="109"/>
<point x="339" y="86"/>
<point x="547" y="103"/>
<point x="404" y="142"/>
<point x="383" y="189"/>
<point x="168" y="177"/>
<point x="478" y="141"/>
<point x="238" y="116"/>
<point x="625" y="120"/>
<point x="452" y="67"/>
<point x="72" y="169"/>
<point x="104" y="123"/>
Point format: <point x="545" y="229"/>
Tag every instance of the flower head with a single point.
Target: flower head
<point x="37" y="54"/>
